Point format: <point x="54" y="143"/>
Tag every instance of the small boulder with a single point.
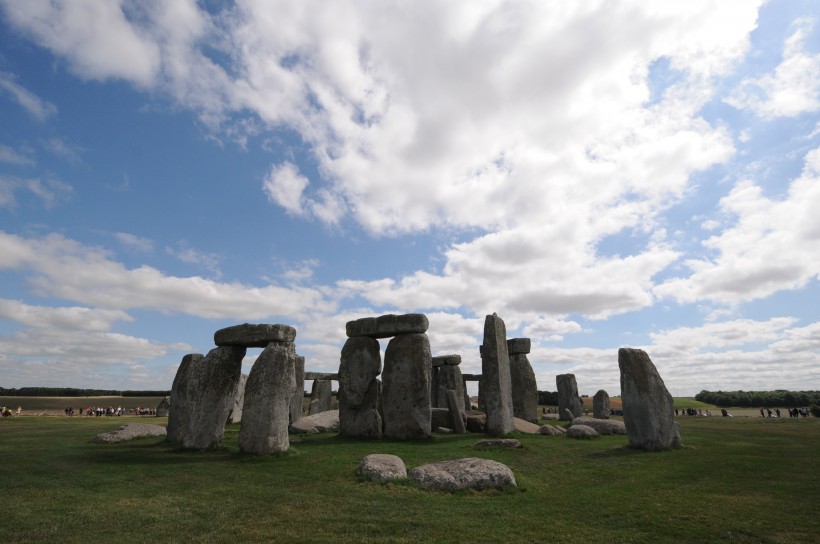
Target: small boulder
<point x="525" y="427"/>
<point x="469" y="473"/>
<point x="602" y="426"/>
<point x="549" y="430"/>
<point x="382" y="467"/>
<point x="476" y="421"/>
<point x="323" y="422"/>
<point x="581" y="431"/>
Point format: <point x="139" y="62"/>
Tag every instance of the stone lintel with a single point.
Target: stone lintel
<point x="471" y="377"/>
<point x="518" y="345"/>
<point x="386" y="326"/>
<point x="254" y="335"/>
<point x="441" y="360"/>
<point x="334" y="376"/>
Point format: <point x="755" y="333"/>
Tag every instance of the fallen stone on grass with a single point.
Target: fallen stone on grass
<point x="130" y="432"/>
<point x="549" y="430"/>
<point x="602" y="426"/>
<point x="499" y="443"/>
<point x="382" y="467"/>
<point x="323" y="422"/>
<point x="526" y="427"/>
<point x="581" y="431"/>
<point x="468" y="473"/>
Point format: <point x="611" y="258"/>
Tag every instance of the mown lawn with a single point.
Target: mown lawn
<point x="737" y="480"/>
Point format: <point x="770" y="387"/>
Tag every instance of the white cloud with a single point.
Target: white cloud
<point x="71" y="317"/>
<point x="794" y="86"/>
<point x="285" y="186"/>
<point x="186" y="254"/>
<point x="139" y="243"/>
<point x="37" y="107"/>
<point x="48" y="191"/>
<point x="9" y="155"/>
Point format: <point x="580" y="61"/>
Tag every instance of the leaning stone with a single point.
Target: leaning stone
<point x="235" y="416"/>
<point x="386" y="326"/>
<point x="323" y="422"/>
<point x="268" y="393"/>
<point x="647" y="405"/>
<point x="568" y="396"/>
<point x="359" y="390"/>
<point x="163" y="407"/>
<point x="130" y="432"/>
<point x="469" y="473"/>
<point x="455" y="413"/>
<point x="476" y="421"/>
<point x="549" y="430"/>
<point x="495" y="387"/>
<point x="445" y="378"/>
<point x="499" y="443"/>
<point x="406" y="387"/>
<point x="518" y="345"/>
<point x="525" y="427"/>
<point x="179" y="414"/>
<point x="382" y="467"/>
<point x="581" y="431"/>
<point x="254" y="336"/>
<point x="600" y="405"/>
<point x="603" y="426"/>
<point x="524" y="387"/>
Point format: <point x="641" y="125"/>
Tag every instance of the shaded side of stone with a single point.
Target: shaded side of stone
<point x="163" y="407"/>
<point x="299" y="393"/>
<point x="495" y="390"/>
<point x="600" y="405"/>
<point x="254" y="335"/>
<point x="445" y="378"/>
<point x="524" y="388"/>
<point x="235" y="415"/>
<point x="442" y="360"/>
<point x="406" y="387"/>
<point x="322" y="394"/>
<point x="388" y="325"/>
<point x="179" y="413"/>
<point x="568" y="396"/>
<point x="518" y="345"/>
<point x="455" y="412"/>
<point x="359" y="388"/>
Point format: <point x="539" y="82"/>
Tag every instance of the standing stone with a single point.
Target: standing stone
<point x="600" y="405"/>
<point x="313" y="407"/>
<point x="299" y="393"/>
<point x="568" y="396"/>
<point x="163" y="407"/>
<point x="455" y="412"/>
<point x="179" y="415"/>
<point x="495" y="387"/>
<point x="647" y="405"/>
<point x="406" y="387"/>
<point x="446" y="376"/>
<point x="322" y="392"/>
<point x="235" y="416"/>
<point x="359" y="390"/>
<point x="211" y="382"/>
<point x="522" y="380"/>
<point x="268" y="393"/>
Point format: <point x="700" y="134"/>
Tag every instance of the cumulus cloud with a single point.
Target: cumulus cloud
<point x="284" y="186"/>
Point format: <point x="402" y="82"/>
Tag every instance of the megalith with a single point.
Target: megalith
<point x="567" y="396"/>
<point x="322" y="393"/>
<point x="254" y="335"/>
<point x="446" y="376"/>
<point x="647" y="404"/>
<point x="235" y="415"/>
<point x="179" y="413"/>
<point x="359" y="388"/>
<point x="522" y="380"/>
<point x="600" y="405"/>
<point x="268" y="394"/>
<point x="406" y="387"/>
<point x="495" y="389"/>
<point x="211" y="382"/>
<point x="299" y="393"/>
<point x="163" y="407"/>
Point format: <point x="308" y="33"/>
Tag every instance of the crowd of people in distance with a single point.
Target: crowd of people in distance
<point x="793" y="412"/>
<point x="697" y="412"/>
<point x="99" y="411"/>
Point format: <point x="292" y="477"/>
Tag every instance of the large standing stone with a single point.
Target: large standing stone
<point x="406" y="387"/>
<point x="179" y="413"/>
<point x="254" y="336"/>
<point x="299" y="393"/>
<point x="359" y="389"/>
<point x="386" y="326"/>
<point x="322" y="392"/>
<point x="235" y="415"/>
<point x="495" y="388"/>
<point x="455" y="412"/>
<point x="600" y="405"/>
<point x="211" y="382"/>
<point x="647" y="405"/>
<point x="567" y="396"/>
<point x="523" y="385"/>
<point x="163" y="407"/>
<point x="268" y="393"/>
<point x="447" y="376"/>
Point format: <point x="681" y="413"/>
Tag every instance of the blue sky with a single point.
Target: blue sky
<point x="599" y="174"/>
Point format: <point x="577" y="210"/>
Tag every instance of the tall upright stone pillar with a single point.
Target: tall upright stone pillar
<point x="447" y="376"/>
<point x="299" y="394"/>
<point x="359" y="388"/>
<point x="406" y="387"/>
<point x="322" y="392"/>
<point x="495" y="386"/>
<point x="568" y="396"/>
<point x="179" y="413"/>
<point x="235" y="415"/>
<point x="600" y="405"/>
<point x="647" y="405"/>
<point x="522" y="376"/>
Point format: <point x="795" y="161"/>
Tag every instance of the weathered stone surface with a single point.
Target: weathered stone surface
<point x="600" y="405"/>
<point x="130" y="432"/>
<point x="442" y="360"/>
<point x="254" y="335"/>
<point x="518" y="345"/>
<point x="359" y="390"/>
<point x="313" y="407"/>
<point x="568" y="396"/>
<point x="268" y="393"/>
<point x="455" y="413"/>
<point x="382" y="467"/>
<point x="179" y="414"/>
<point x="524" y="387"/>
<point x="476" y="421"/>
<point x="323" y="422"/>
<point x="525" y="427"/>
<point x="235" y="415"/>
<point x="445" y="378"/>
<point x="581" y="431"/>
<point x="211" y="382"/>
<point x="469" y="473"/>
<point x="332" y="376"/>
<point x="295" y="408"/>
<point x="549" y="430"/>
<point x="647" y="405"/>
<point x="440" y="417"/>
<point x="386" y="326"/>
<point x="163" y="407"/>
<point x="495" y="390"/>
<point x="602" y="426"/>
<point x="499" y="443"/>
<point x="406" y="387"/>
<point x="322" y="391"/>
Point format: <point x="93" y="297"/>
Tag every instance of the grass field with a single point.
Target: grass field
<point x="56" y="405"/>
<point x="737" y="480"/>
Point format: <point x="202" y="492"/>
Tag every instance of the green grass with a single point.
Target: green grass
<point x="737" y="480"/>
<point x="37" y="405"/>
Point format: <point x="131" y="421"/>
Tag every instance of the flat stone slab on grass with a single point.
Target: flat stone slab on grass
<point x="499" y="443"/>
<point x="382" y="467"/>
<point x="323" y="422"/>
<point x="581" y="431"/>
<point x="254" y="335"/>
<point x="388" y="325"/>
<point x="130" y="432"/>
<point x="603" y="426"/>
<point x="549" y="430"/>
<point x="468" y="473"/>
<point x="523" y="426"/>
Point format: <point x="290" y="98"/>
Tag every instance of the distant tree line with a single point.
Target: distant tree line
<point x="74" y="392"/>
<point x="548" y="398"/>
<point x="762" y="399"/>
